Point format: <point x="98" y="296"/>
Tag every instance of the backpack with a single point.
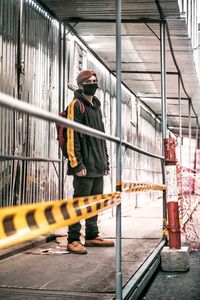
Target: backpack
<point x="62" y="128"/>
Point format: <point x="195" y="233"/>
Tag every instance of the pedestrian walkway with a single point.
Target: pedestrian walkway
<point x="44" y="273"/>
<point x="48" y="271"/>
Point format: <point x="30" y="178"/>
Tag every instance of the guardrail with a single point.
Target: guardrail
<point x="10" y="102"/>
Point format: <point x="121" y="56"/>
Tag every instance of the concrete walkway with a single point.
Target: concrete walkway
<point x="41" y="273"/>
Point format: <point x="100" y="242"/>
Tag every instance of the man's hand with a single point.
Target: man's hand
<point x="107" y="172"/>
<point x="82" y="173"/>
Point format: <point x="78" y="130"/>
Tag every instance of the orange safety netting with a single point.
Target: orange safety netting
<point x="189" y="204"/>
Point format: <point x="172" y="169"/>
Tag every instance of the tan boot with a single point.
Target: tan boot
<point x="99" y="242"/>
<point x="77" y="248"/>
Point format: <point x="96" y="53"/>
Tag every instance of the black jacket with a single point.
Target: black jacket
<point x="85" y="152"/>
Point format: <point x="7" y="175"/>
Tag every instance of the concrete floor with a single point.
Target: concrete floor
<point x="29" y="275"/>
<point x="93" y="273"/>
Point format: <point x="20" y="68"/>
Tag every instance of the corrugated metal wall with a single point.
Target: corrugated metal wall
<point x="29" y="71"/>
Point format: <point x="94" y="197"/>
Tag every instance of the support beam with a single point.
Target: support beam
<point x="177" y="116"/>
<point x="168" y="98"/>
<point x="163" y="81"/>
<point x="106" y="20"/>
<point x="164" y="107"/>
<point x="148" y="72"/>
<point x="189" y="133"/>
<point x="118" y="259"/>
<point x="180" y="119"/>
<point x="178" y="127"/>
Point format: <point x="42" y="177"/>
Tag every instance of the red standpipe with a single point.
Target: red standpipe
<point x="172" y="194"/>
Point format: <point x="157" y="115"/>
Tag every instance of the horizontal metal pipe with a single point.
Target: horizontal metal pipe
<point x="146" y="72"/>
<point x="139" y="150"/>
<point x="169" y="98"/>
<point x="13" y="103"/>
<point x="177" y="116"/>
<point x="177" y="126"/>
<point x="106" y="20"/>
<point x="15" y="157"/>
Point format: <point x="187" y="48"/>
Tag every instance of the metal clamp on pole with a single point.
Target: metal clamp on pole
<point x="172" y="194"/>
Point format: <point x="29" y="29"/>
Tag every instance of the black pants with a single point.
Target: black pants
<point x="85" y="186"/>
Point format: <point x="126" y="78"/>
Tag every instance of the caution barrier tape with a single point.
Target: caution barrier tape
<point x="166" y="227"/>
<point x="25" y="222"/>
<point x="128" y="186"/>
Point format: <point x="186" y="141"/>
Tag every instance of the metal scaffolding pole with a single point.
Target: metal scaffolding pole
<point x="60" y="104"/>
<point x="180" y="119"/>
<point x="163" y="81"/>
<point x="196" y="145"/>
<point x="189" y="132"/>
<point x="164" y="105"/>
<point x="190" y="137"/>
<point x="19" y="49"/>
<point x="118" y="276"/>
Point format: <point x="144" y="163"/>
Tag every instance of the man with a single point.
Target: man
<point x="87" y="158"/>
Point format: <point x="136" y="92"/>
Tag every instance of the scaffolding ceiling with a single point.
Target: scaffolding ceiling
<point x="94" y="23"/>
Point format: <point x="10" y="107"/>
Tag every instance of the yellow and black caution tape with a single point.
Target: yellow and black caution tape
<point x="25" y="222"/>
<point x="119" y="186"/>
<point x="165" y="231"/>
<point x="166" y="228"/>
<point x="130" y="186"/>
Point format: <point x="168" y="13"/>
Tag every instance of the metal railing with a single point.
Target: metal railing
<point x="23" y="107"/>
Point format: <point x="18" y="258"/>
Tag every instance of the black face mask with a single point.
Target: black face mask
<point x="90" y="88"/>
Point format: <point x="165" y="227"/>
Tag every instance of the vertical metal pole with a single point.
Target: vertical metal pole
<point x="19" y="167"/>
<point x="196" y="145"/>
<point x="118" y="276"/>
<point x="186" y="10"/>
<point x="189" y="133"/>
<point x="164" y="106"/>
<point x="19" y="50"/>
<point x="180" y="134"/>
<point x="62" y="101"/>
<point x="170" y="206"/>
<point x="190" y="136"/>
<point x="180" y="118"/>
<point x="137" y="161"/>
<point x="60" y="105"/>
<point x="172" y="194"/>
<point x="163" y="81"/>
<point x="193" y="24"/>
